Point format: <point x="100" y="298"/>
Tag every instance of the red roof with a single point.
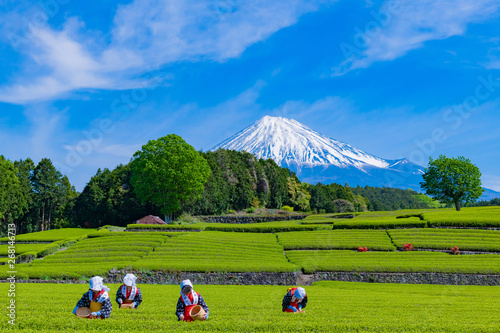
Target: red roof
<point x="150" y="219"/>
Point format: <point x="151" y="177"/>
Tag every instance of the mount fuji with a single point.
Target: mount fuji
<point x="317" y="158"/>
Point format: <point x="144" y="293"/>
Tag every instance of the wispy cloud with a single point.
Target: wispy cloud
<point x="401" y="26"/>
<point x="145" y="32"/>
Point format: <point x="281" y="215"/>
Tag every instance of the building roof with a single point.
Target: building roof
<point x="150" y="219"/>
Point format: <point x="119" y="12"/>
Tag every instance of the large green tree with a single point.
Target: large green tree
<point x="44" y="181"/>
<point x="51" y="193"/>
<point x="168" y="172"/>
<point x="452" y="180"/>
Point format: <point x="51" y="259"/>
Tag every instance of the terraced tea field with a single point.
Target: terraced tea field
<point x="51" y="235"/>
<point x="93" y="256"/>
<point x="336" y="239"/>
<point x="332" y="307"/>
<point x="263" y="227"/>
<point x="394" y="262"/>
<point x="443" y="239"/>
<point x="266" y="249"/>
<point x="316" y="244"/>
<point x="480" y="217"/>
<point x="213" y="251"/>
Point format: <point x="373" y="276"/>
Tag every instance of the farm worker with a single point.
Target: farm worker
<point x="97" y="299"/>
<point x="188" y="299"/>
<point x="295" y="300"/>
<point x="128" y="292"/>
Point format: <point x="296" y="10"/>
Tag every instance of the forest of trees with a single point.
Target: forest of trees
<point x="38" y="197"/>
<point x="385" y="198"/>
<point x="482" y="203"/>
<point x="34" y="198"/>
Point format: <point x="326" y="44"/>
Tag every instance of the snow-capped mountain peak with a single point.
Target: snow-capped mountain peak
<point x="289" y="142"/>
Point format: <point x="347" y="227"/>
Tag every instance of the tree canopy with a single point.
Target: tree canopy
<point x="168" y="172"/>
<point x="12" y="200"/>
<point x="452" y="180"/>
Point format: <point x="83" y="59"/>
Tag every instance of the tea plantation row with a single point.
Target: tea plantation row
<point x="332" y="307"/>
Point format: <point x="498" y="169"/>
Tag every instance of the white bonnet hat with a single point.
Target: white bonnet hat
<point x="96" y="284"/>
<point x="129" y="280"/>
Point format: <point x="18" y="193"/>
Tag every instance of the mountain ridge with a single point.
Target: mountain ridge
<point x="315" y="157"/>
<point x="290" y="143"/>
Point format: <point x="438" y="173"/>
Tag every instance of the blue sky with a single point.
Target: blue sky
<point x="86" y="84"/>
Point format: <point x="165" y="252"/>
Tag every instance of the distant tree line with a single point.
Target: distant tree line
<point x="34" y="198"/>
<point x="385" y="198"/>
<point x="38" y="197"/>
<point x="482" y="203"/>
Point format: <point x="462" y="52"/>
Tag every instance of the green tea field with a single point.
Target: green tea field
<point x="332" y="307"/>
<point x="311" y="247"/>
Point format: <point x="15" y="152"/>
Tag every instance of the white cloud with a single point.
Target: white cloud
<point x="401" y="26"/>
<point x="145" y="33"/>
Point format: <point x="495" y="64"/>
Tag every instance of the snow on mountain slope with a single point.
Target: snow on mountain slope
<point x="290" y="143"/>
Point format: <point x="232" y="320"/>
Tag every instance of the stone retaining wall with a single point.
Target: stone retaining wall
<point x="410" y="278"/>
<point x="295" y="278"/>
<point x="158" y="277"/>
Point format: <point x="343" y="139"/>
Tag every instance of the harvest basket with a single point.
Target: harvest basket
<point x="127" y="306"/>
<point x="197" y="312"/>
<point x="83" y="312"/>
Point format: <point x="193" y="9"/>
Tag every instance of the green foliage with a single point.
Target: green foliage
<point x="51" y="191"/>
<point x="482" y="203"/>
<point x="323" y="196"/>
<point x="336" y="239"/>
<point x="468" y="217"/>
<point x="49" y="249"/>
<point x="13" y="200"/>
<point x="194" y="227"/>
<point x="443" y="239"/>
<point x="318" y="219"/>
<point x="387" y="199"/>
<point x="168" y="172"/>
<point x="128" y="234"/>
<point x="342" y="205"/>
<point x="361" y="222"/>
<point x="187" y="218"/>
<point x="218" y="252"/>
<point x="250" y="210"/>
<point x="92" y="256"/>
<point x="237" y="178"/>
<point x="51" y="235"/>
<point x="22" y="248"/>
<point x="358" y="307"/>
<point x="109" y="198"/>
<point x="255" y="202"/>
<point x="26" y="257"/>
<point x="452" y="180"/>
<point x="287" y="208"/>
<point x="396" y="262"/>
<point x="360" y="203"/>
<point x="47" y="194"/>
<point x="266" y="227"/>
<point x="429" y="201"/>
<point x="299" y="196"/>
